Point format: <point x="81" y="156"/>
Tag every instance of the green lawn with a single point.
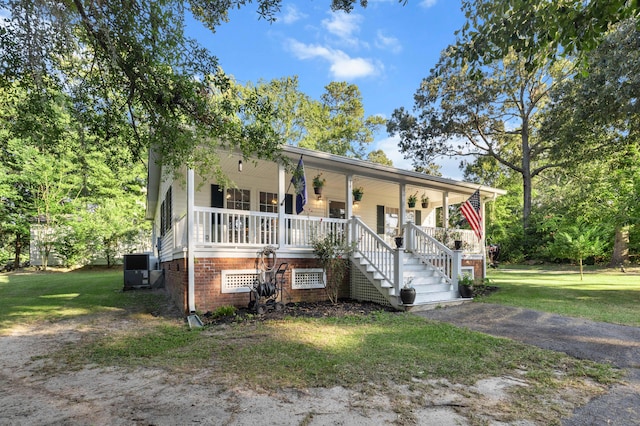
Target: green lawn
<point x="603" y="295"/>
<point x="363" y="352"/>
<point x="27" y="298"/>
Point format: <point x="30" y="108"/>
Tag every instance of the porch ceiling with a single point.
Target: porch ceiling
<point x="415" y="181"/>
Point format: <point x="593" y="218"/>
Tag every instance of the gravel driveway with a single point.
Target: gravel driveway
<point x="579" y="338"/>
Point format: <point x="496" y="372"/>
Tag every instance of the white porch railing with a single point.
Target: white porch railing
<point x="448" y="262"/>
<point x="380" y="255"/>
<point x="470" y="243"/>
<point x="216" y="226"/>
<point x="301" y="231"/>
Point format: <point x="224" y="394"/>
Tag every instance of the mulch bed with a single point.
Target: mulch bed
<point x="314" y="310"/>
<point x="301" y="309"/>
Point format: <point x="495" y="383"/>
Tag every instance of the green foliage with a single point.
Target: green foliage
<point x="466" y="279"/>
<point x="539" y="30"/>
<point x="337" y="124"/>
<point x="333" y="251"/>
<point x="223" y="311"/>
<point x="578" y="242"/>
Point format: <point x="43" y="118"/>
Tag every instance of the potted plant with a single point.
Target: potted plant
<point x="413" y="198"/>
<point x="357" y="193"/>
<point x="318" y="183"/>
<point x="424" y="200"/>
<point x="399" y="239"/>
<point x="408" y="293"/>
<point x="465" y="286"/>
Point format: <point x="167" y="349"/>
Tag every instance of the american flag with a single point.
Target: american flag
<point x="471" y="211"/>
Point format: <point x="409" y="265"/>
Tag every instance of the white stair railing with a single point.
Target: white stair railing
<point x="380" y="255"/>
<point x="445" y="261"/>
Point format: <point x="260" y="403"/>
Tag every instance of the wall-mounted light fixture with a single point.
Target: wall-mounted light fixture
<point x="239" y="165"/>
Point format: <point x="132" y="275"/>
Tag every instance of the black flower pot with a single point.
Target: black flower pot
<point x="407" y="295"/>
<point x="317" y="190"/>
<point x="457" y="244"/>
<point x="399" y="242"/>
<point x="465" y="291"/>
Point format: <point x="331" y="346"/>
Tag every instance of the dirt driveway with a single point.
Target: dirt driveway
<point x="32" y="393"/>
<point x="583" y="339"/>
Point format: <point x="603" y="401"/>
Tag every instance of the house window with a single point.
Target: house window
<point x="268" y="202"/>
<point x="238" y="199"/>
<point x="337" y="209"/>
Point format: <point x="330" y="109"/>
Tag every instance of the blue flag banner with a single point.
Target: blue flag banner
<point x="299" y="182"/>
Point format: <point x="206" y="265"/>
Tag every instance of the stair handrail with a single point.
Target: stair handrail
<point x="380" y="255"/>
<point x="445" y="261"/>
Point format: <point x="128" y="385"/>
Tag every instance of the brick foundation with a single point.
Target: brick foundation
<point x="208" y="283"/>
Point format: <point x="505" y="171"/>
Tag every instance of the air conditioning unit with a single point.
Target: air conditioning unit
<point x="141" y="271"/>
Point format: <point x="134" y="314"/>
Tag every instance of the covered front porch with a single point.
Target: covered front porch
<point x="203" y="221"/>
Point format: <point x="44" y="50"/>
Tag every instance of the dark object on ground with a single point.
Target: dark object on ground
<point x="494" y="255"/>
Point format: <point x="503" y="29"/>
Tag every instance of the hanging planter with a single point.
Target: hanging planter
<point x="357" y="193"/>
<point x="424" y="200"/>
<point x="318" y="184"/>
<point x="412" y="200"/>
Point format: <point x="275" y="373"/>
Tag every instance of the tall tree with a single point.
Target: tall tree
<point x="530" y="27"/>
<point x="594" y="119"/>
<point x="338" y="124"/>
<point x="493" y="111"/>
<point x="144" y="69"/>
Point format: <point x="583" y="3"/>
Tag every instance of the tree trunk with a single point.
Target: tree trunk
<point x="17" y="251"/>
<point x="526" y="187"/>
<point x="620" y="253"/>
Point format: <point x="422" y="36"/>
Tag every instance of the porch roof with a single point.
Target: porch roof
<point x="368" y="169"/>
<point x="342" y="165"/>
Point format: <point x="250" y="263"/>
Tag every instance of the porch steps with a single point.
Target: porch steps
<point x="431" y="289"/>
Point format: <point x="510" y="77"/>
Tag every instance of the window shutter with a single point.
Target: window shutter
<point x="380" y="220"/>
<point x="217" y="196"/>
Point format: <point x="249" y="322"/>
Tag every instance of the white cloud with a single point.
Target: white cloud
<point x="342" y="66"/>
<point x="390" y="147"/>
<point x="428" y="3"/>
<point x="449" y="166"/>
<point x="389" y="43"/>
<point x="342" y="24"/>
<point x="292" y="14"/>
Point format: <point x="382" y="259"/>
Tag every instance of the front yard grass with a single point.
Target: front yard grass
<point x="606" y="295"/>
<point x="381" y="352"/>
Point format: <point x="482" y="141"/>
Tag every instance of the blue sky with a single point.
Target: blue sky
<point x="385" y="49"/>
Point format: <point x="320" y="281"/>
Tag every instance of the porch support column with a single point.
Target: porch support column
<point x="349" y="196"/>
<point x="191" y="274"/>
<point x="402" y="211"/>
<point x="456" y="269"/>
<point x="445" y="210"/>
<point x="282" y="227"/>
<point x="483" y="241"/>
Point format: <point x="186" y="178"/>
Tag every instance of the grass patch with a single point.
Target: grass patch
<point x="303" y="352"/>
<point x="28" y="298"/>
<point x="603" y="295"/>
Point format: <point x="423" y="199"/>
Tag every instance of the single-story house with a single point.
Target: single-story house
<point x="210" y="240"/>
